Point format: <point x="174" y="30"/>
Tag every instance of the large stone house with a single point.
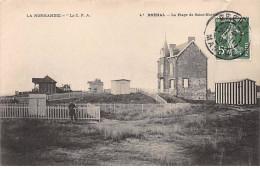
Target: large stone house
<point x="182" y="70"/>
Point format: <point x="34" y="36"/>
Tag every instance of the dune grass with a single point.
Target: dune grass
<point x="214" y="134"/>
<point x="197" y="134"/>
<point x="132" y="98"/>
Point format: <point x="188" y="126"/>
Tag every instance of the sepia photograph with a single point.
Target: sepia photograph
<point x="129" y="82"/>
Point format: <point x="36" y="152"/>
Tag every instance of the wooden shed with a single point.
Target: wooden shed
<point x="238" y="92"/>
<point x="45" y="85"/>
<point x="121" y="86"/>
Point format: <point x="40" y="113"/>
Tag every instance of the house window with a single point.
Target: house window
<point x="171" y="69"/>
<point x="161" y="84"/>
<point x="172" y="84"/>
<point x="185" y="83"/>
<point x="161" y="68"/>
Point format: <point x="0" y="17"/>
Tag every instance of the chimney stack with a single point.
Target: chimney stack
<point x="190" y="38"/>
<point x="173" y="50"/>
<point x="172" y="46"/>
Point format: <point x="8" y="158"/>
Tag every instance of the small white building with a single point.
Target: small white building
<point x="236" y="92"/>
<point x="121" y="86"/>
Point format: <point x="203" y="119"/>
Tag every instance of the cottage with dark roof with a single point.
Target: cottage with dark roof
<point x="65" y="88"/>
<point x="44" y="85"/>
<point x="182" y="70"/>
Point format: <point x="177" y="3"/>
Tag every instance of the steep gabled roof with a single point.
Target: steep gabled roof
<point x="46" y="79"/>
<point x="182" y="47"/>
<point x="166" y="49"/>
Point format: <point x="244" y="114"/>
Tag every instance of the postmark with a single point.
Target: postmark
<point x="227" y="36"/>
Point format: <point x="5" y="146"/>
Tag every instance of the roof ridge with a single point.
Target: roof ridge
<point x="184" y="48"/>
<point x="46" y="78"/>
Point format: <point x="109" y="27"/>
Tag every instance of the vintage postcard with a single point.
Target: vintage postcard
<point x="129" y="82"/>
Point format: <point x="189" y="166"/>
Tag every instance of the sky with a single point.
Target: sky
<point x="114" y="42"/>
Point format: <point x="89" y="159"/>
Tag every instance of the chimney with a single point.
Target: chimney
<point x="190" y="38"/>
<point x="172" y="46"/>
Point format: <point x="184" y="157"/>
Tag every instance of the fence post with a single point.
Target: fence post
<point x="12" y="112"/>
<point x="99" y="114"/>
<point x="47" y="109"/>
<point x="114" y="108"/>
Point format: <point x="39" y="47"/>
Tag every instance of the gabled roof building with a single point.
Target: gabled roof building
<point x="182" y="70"/>
<point x="44" y="85"/>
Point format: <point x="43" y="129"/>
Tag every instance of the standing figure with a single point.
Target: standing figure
<point x="72" y="111"/>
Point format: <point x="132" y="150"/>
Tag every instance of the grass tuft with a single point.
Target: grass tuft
<point x="119" y="132"/>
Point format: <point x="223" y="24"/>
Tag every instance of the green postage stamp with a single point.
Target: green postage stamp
<point x="227" y="36"/>
<point x="232" y="38"/>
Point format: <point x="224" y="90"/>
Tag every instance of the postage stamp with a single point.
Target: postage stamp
<point x="227" y="36"/>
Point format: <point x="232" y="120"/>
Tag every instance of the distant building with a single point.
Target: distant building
<point x="66" y="88"/>
<point x="95" y="86"/>
<point x="182" y="71"/>
<point x="107" y="90"/>
<point x="121" y="86"/>
<point x="44" y="85"/>
<point x="236" y="92"/>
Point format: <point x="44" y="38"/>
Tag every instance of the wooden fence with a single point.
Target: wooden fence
<point x="49" y="112"/>
<point x="84" y="111"/>
<point x="14" y="111"/>
<point x="130" y="108"/>
<point x="138" y="108"/>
